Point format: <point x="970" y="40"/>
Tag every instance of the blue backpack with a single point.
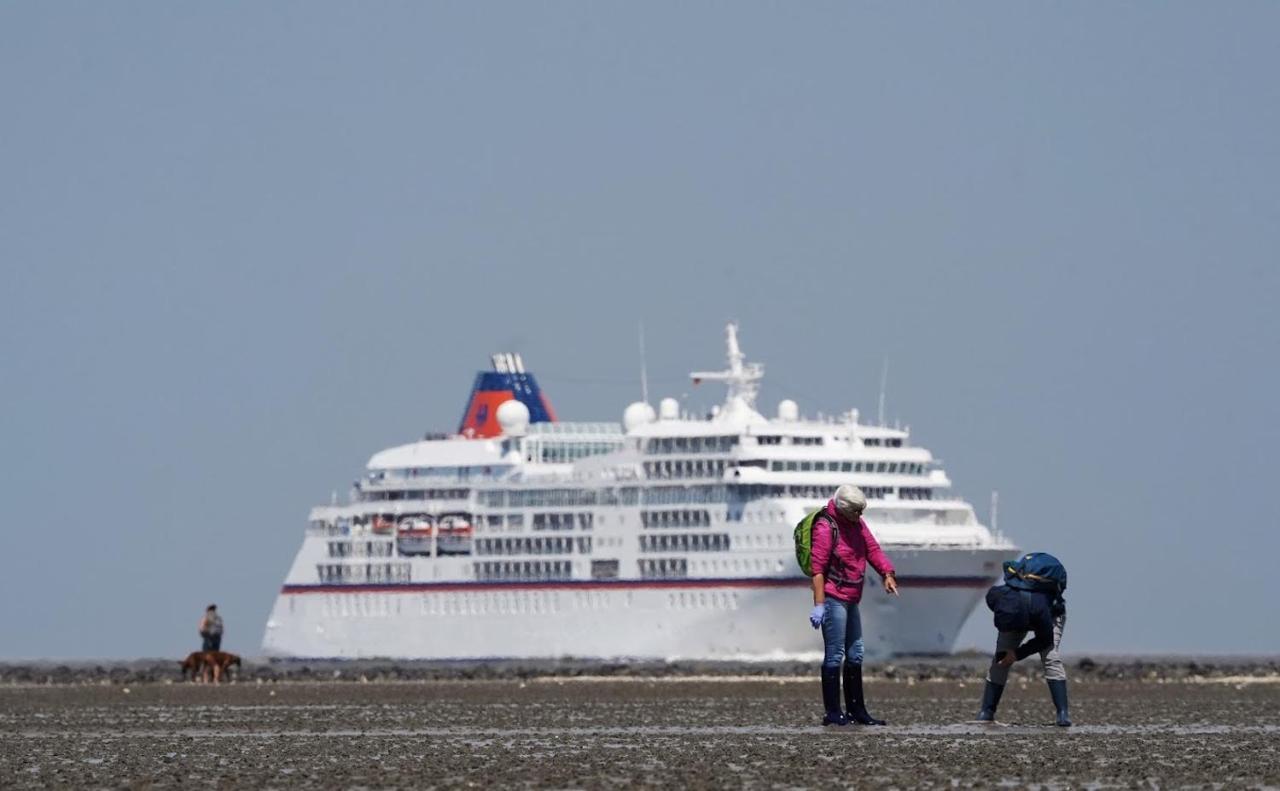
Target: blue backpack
<point x="1036" y="571"/>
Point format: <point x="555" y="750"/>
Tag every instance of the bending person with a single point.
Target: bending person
<point x="842" y="547"/>
<point x="1030" y="600"/>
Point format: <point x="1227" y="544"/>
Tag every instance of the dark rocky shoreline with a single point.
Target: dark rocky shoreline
<point x="954" y="668"/>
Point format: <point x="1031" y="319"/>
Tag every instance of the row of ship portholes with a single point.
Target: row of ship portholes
<point x="378" y="605"/>
<point x="381" y="605"/>
<point x="702" y="600"/>
<point x="702" y="568"/>
<point x="491" y="603"/>
<point x="360" y="605"/>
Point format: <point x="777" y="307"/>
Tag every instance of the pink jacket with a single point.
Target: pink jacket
<point x="846" y="571"/>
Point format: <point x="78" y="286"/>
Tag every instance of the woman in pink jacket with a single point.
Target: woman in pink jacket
<point x="842" y="547"/>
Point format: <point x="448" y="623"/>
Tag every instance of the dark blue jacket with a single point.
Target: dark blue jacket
<point x="1025" y="611"/>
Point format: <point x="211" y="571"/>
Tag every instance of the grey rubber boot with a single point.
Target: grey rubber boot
<point x="1058" y="689"/>
<point x="831" y="697"/>
<point x="990" y="701"/>
<point x="855" y="704"/>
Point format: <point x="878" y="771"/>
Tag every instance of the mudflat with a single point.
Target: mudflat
<point x="587" y="732"/>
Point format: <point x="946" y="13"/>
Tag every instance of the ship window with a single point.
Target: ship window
<point x="893" y="466"/>
<point x="880" y="467"/>
<point x="663" y="568"/>
<point x="806" y="466"/>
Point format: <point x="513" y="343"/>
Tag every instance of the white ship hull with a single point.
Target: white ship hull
<point x="763" y="617"/>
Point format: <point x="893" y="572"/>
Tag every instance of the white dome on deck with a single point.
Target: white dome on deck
<point x="669" y="409"/>
<point x="513" y="417"/>
<point x="637" y="415"/>
<point x="788" y="410"/>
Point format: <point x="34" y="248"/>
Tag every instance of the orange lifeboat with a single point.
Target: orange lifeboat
<point x="414" y="536"/>
<point x="453" y="535"/>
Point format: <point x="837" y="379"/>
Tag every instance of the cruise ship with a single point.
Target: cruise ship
<point x="665" y="536"/>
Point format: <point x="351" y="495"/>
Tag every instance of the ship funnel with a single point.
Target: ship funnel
<point x="506" y="382"/>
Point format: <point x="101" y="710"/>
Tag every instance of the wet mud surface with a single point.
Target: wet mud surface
<point x="606" y="732"/>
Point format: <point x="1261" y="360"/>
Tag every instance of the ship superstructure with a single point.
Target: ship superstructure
<point x="667" y="536"/>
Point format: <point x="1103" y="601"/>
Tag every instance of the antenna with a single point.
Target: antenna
<point x="884" y="383"/>
<point x="995" y="512"/>
<point x="742" y="378"/>
<point x="644" y="375"/>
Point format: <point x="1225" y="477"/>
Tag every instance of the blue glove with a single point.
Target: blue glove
<point x="816" y="615"/>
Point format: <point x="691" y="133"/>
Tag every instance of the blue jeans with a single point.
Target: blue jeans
<point x="841" y="633"/>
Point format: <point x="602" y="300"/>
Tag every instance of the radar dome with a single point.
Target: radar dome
<point x="669" y="409"/>
<point x="513" y="417"/>
<point x="788" y="410"/>
<point x="637" y="415"/>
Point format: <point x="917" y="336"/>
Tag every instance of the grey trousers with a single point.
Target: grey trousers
<point x="1050" y="659"/>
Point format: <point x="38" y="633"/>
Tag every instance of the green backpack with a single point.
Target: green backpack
<point x="804" y="539"/>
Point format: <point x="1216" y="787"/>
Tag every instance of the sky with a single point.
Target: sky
<point x="243" y="246"/>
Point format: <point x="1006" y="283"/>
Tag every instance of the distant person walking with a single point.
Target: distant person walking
<point x="211" y="629"/>
<point x="842" y="547"/>
<point x="1030" y="600"/>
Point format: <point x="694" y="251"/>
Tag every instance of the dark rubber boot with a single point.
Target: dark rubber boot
<point x="1058" y="689"/>
<point x="854" y="702"/>
<point x="990" y="701"/>
<point x="831" y="697"/>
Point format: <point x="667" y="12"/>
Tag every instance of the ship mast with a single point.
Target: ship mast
<point x="742" y="378"/>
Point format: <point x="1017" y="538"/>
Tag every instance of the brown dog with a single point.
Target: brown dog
<point x="193" y="664"/>
<point x="219" y="663"/>
<point x="209" y="665"/>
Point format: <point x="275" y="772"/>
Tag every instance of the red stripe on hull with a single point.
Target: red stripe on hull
<point x="738" y="582"/>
